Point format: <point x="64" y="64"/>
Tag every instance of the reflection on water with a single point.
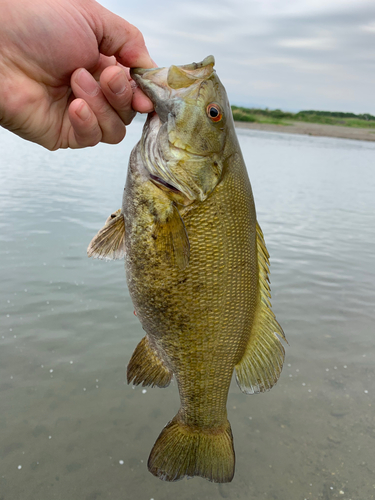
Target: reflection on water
<point x="70" y="426"/>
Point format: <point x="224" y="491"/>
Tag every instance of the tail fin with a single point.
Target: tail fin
<point x="183" y="451"/>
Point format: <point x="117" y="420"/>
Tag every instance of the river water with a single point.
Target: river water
<point x="70" y="426"/>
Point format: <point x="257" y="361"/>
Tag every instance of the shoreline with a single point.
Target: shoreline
<point x="315" y="129"/>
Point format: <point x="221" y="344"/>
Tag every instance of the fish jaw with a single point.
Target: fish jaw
<point x="153" y="84"/>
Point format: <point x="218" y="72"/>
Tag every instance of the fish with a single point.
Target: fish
<point x="197" y="268"/>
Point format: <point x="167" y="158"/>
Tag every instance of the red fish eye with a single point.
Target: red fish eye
<point x="214" y="112"/>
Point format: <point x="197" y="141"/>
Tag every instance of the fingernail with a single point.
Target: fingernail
<point x="87" y="82"/>
<point x="117" y="83"/>
<point x="83" y="112"/>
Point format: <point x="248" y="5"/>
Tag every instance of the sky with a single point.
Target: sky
<point x="287" y="54"/>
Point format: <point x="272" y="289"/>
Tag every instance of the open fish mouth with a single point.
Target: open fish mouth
<point x="161" y="85"/>
<point x="188" y="74"/>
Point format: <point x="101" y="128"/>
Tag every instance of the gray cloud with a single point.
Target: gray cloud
<point x="299" y="54"/>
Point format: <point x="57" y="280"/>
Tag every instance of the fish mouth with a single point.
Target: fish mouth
<point x="151" y="82"/>
<point x="193" y="68"/>
<point x="163" y="85"/>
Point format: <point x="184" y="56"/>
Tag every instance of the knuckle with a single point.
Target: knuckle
<point x="115" y="134"/>
<point x="88" y="138"/>
<point x="128" y="118"/>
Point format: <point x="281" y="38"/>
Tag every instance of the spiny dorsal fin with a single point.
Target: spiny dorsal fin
<point x="261" y="365"/>
<point x="109" y="243"/>
<point x="171" y="238"/>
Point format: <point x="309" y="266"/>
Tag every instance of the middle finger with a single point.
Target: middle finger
<point x="116" y="87"/>
<point x="85" y="86"/>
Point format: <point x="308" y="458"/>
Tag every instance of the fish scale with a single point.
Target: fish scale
<point x="213" y="253"/>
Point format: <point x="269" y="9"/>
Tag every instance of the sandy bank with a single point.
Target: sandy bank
<point x="317" y="129"/>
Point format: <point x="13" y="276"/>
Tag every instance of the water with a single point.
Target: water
<point x="70" y="426"/>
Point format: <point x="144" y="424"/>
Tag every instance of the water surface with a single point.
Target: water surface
<point x="70" y="426"/>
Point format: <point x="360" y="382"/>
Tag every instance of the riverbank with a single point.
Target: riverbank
<point x="317" y="129"/>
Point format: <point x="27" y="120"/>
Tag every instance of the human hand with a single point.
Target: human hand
<point x="52" y="52"/>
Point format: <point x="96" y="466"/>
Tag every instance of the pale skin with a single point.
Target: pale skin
<point x="64" y="78"/>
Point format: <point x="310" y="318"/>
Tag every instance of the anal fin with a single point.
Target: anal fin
<point x="146" y="366"/>
<point x="109" y="243"/>
<point x="262" y="362"/>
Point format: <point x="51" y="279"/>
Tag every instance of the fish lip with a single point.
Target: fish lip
<point x="139" y="71"/>
<point x="188" y="67"/>
<point x="192" y="66"/>
<point x="147" y="86"/>
<point x="158" y="94"/>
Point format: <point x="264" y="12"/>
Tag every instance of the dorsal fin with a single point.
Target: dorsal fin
<point x="262" y="362"/>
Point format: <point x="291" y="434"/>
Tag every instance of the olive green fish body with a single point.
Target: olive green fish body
<point x="196" y="266"/>
<point x="201" y="316"/>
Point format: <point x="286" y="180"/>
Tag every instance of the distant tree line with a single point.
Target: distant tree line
<point x="265" y="115"/>
<point x="337" y="114"/>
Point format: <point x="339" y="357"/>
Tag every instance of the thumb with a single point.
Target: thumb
<point x="116" y="37"/>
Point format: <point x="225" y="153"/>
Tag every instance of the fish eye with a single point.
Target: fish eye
<point x="214" y="112"/>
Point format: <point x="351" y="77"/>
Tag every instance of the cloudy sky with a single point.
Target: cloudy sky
<point x="288" y="54"/>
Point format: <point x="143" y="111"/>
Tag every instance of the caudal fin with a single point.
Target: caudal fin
<point x="183" y="451"/>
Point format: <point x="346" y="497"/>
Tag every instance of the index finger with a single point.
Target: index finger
<point x="116" y="37"/>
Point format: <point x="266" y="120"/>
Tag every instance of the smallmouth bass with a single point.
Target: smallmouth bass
<point x="197" y="268"/>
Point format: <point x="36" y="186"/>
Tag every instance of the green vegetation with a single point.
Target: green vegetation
<point x="279" y="117"/>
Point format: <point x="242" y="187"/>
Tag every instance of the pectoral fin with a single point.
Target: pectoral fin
<point x="262" y="362"/>
<point x="171" y="238"/>
<point x="109" y="243"/>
